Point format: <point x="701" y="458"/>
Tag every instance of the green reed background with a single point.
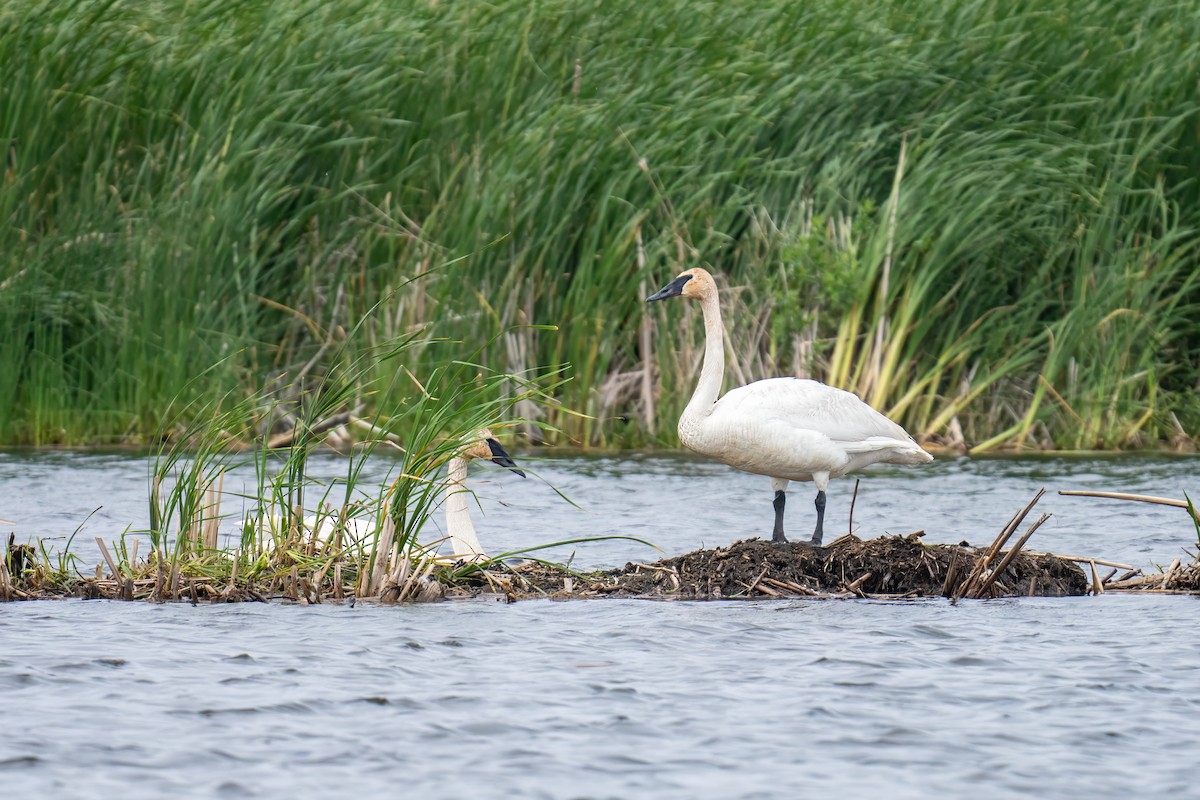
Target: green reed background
<point x="980" y="216"/>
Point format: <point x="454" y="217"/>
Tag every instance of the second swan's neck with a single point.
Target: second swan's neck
<point x="708" y="389"/>
<point x="463" y="541"/>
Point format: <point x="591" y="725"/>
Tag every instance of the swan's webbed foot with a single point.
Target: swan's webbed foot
<point x="777" y="535"/>
<point x="817" y="534"/>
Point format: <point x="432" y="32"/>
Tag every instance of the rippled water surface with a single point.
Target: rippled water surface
<point x="1073" y="697"/>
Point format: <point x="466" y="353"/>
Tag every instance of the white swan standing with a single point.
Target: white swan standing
<point x="789" y="429"/>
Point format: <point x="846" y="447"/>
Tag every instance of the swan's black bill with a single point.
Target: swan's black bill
<point x="672" y="289"/>
<point x="501" y="458"/>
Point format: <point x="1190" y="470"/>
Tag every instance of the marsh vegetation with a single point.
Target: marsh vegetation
<point x="980" y="218"/>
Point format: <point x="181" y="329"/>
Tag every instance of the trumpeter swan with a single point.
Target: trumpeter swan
<point x="464" y="543"/>
<point x="789" y="429"/>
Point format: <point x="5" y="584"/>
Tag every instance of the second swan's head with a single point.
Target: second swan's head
<point x="694" y="284"/>
<point x="484" y="445"/>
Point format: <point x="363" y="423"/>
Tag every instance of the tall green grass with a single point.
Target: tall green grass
<point x="980" y="216"/>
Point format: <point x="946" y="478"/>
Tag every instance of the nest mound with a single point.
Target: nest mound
<point x="1188" y="579"/>
<point x="899" y="566"/>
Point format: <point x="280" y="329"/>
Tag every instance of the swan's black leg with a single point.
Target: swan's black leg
<point x="780" y="499"/>
<point x="820" y="504"/>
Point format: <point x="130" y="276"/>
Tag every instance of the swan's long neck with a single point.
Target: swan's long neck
<point x="463" y="541"/>
<point x="709" y="387"/>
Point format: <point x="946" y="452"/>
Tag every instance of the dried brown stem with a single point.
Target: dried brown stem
<point x="1140" y="498"/>
<point x="1008" y="558"/>
<point x="966" y="589"/>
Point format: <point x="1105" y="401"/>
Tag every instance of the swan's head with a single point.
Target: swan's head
<point x="694" y="284"/>
<point x="482" y="444"/>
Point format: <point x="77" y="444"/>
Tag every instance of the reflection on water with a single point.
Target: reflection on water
<point x="676" y="502"/>
<point x="1073" y="697"/>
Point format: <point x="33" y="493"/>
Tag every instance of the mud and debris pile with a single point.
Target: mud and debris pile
<point x="897" y="566"/>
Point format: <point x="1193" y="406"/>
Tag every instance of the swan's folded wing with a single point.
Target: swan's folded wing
<point x="813" y="406"/>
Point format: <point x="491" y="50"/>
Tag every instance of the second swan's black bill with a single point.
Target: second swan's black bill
<point x="672" y="289"/>
<point x="501" y="458"/>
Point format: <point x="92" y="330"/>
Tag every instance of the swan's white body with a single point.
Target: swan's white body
<point x="789" y="429"/>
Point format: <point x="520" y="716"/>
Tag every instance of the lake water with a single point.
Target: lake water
<point x="1072" y="697"/>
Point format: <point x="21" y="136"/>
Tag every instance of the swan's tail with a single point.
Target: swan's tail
<point x="893" y="451"/>
<point x="913" y="454"/>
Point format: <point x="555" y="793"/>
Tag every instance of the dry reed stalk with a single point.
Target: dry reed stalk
<point x="133" y="554"/>
<point x="383" y="552"/>
<point x="873" y="380"/>
<point x="286" y="438"/>
<point x="651" y="567"/>
<point x="1170" y="575"/>
<point x="732" y="356"/>
<point x="312" y="593"/>
<point x="1140" y="498"/>
<point x="1097" y="584"/>
<point x="1082" y="560"/>
<point x="319" y="581"/>
<point x="757" y="587"/>
<point x="394" y="589"/>
<point x="1059" y="398"/>
<point x="1008" y="559"/>
<point x="1133" y="583"/>
<point x="337" y="581"/>
<point x="859" y="581"/>
<point x="430" y="589"/>
<point x="191" y="534"/>
<point x="112" y="565"/>
<point x="6" y="584"/>
<point x="647" y="342"/>
<point x="985" y="561"/>
<point x="853" y="498"/>
<point x="376" y="431"/>
<point x="408" y="583"/>
<point x="212" y="514"/>
<point x="791" y="586"/>
<point x="754" y="584"/>
<point x="948" y="584"/>
<point x="160" y="577"/>
<point x="233" y="572"/>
